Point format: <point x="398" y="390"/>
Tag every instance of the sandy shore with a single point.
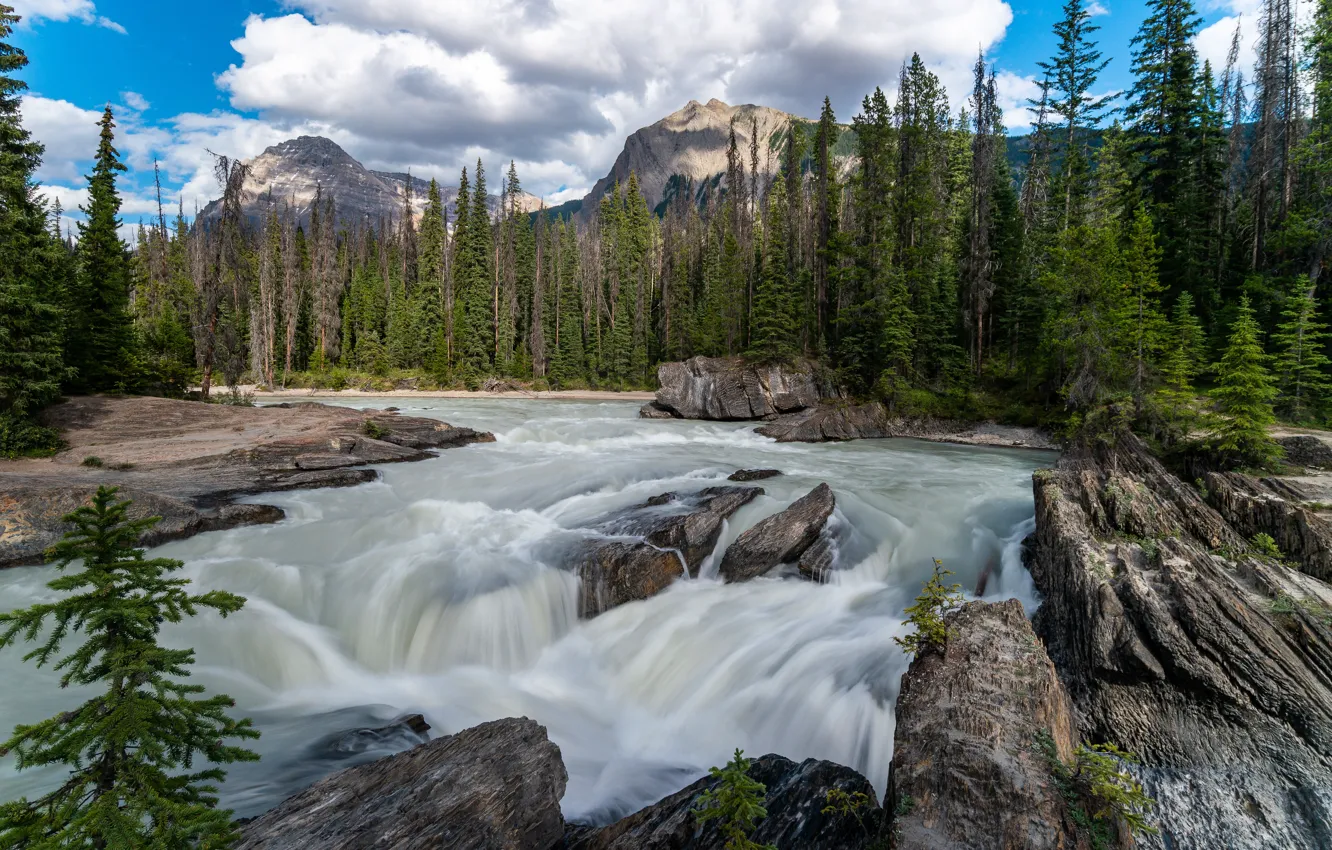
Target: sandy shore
<point x="566" y="395"/>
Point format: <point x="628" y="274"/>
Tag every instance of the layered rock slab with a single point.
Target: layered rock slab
<point x="733" y="390"/>
<point x="966" y="772"/>
<point x="496" y="786"/>
<point x="795" y="796"/>
<point x="1178" y="642"/>
<point x="782" y="539"/>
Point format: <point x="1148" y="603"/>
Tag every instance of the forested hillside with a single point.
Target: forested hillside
<point x="1119" y="262"/>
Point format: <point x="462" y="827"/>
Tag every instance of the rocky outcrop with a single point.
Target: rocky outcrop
<point x="753" y="474"/>
<point x="732" y="389"/>
<point x="966" y="771"/>
<point x="669" y="535"/>
<point x="496" y="786"/>
<point x="779" y="539"/>
<point x="795" y="796"/>
<point x="1270" y="506"/>
<point x="837" y="422"/>
<point x="1306" y="450"/>
<point x="1178" y="642"/>
<point x="187" y="461"/>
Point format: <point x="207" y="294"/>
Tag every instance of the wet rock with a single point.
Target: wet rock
<point x="497" y="785"/>
<point x="1306" y="450"/>
<point x="753" y="474"/>
<point x="187" y="462"/>
<point x="733" y="389"/>
<point x="838" y="422"/>
<point x="1177" y="643"/>
<point x="675" y="531"/>
<point x="819" y="559"/>
<point x="653" y="410"/>
<point x="795" y="796"/>
<point x="779" y="539"/>
<point x="966" y="772"/>
<point x="1270" y="506"/>
<point x="399" y="734"/>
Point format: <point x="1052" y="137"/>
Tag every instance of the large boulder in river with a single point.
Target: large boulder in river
<point x="832" y="422"/>
<point x="795" y="796"/>
<point x="966" y="771"/>
<point x="781" y="538"/>
<point x="1179" y="642"/>
<point x="496" y="786"/>
<point x="668" y="535"/>
<point x="734" y="389"/>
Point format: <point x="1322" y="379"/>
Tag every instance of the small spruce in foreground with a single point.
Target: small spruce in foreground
<point x="736" y="802"/>
<point x="927" y="615"/>
<point x="131" y="749"/>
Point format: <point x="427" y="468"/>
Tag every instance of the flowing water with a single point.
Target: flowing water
<point x="441" y="589"/>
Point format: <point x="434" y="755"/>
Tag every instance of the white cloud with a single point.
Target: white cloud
<point x="64" y="10"/>
<point x="1096" y="8"/>
<point x="135" y="101"/>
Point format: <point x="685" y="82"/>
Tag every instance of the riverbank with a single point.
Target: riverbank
<point x="554" y="395"/>
<point x="188" y="462"/>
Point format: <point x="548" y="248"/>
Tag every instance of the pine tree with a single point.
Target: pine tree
<point x="100" y="338"/>
<point x="1301" y="361"/>
<point x="774" y="328"/>
<point x="1183" y="360"/>
<point x="31" y="361"/>
<point x="1244" y="395"/>
<point x="1144" y="326"/>
<point x="126" y="747"/>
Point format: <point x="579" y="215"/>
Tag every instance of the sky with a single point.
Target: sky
<point x="555" y="85"/>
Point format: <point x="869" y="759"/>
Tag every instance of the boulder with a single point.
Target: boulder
<point x="653" y="410"/>
<point x="795" y="796"/>
<point x="734" y="389"/>
<point x="1270" y="506"/>
<point x="398" y="734"/>
<point x="753" y="474"/>
<point x="779" y="539"/>
<point x="837" y="422"/>
<point x="966" y="771"/>
<point x="674" y="533"/>
<point x="496" y="786"/>
<point x="1306" y="450"/>
<point x="1178" y="642"/>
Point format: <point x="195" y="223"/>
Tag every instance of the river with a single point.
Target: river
<point x="439" y="589"/>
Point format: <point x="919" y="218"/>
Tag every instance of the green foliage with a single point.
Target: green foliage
<point x="1301" y="364"/>
<point x="1265" y="547"/>
<point x="735" y="802"/>
<point x="374" y="430"/>
<point x="845" y="804"/>
<point x="25" y="438"/>
<point x="1244" y="395"/>
<point x="93" y="461"/>
<point x="927" y="614"/>
<point x="1100" y="792"/>
<point x="131" y="749"/>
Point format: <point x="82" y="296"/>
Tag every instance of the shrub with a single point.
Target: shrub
<point x="25" y="438"/>
<point x="927" y="615"/>
<point x="847" y="805"/>
<point x="1100" y="793"/>
<point x="374" y="430"/>
<point x="93" y="461"/>
<point x="1265" y="546"/>
<point x="736" y="801"/>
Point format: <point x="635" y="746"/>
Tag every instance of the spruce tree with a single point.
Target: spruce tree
<point x="1144" y="326"/>
<point x="1182" y="362"/>
<point x="100" y="339"/>
<point x="31" y="362"/>
<point x="1244" y="395"/>
<point x="774" y="329"/>
<point x="131" y="749"/>
<point x="1301" y="361"/>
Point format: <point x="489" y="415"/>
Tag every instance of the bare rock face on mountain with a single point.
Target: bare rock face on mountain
<point x="667" y="535"/>
<point x="496" y="786"/>
<point x="966" y="771"/>
<point x="782" y="538"/>
<point x="1179" y="641"/>
<point x="291" y="173"/>
<point x="795" y="796"/>
<point x="689" y="146"/>
<point x="732" y="389"/>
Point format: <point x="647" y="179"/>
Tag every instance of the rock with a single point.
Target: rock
<point x="1263" y="506"/>
<point x="795" y="797"/>
<point x="653" y="410"/>
<point x="1306" y="450"/>
<point x="779" y="539"/>
<point x="1176" y="643"/>
<point x="676" y="533"/>
<point x="186" y="462"/>
<point x="753" y="474"/>
<point x="965" y="770"/>
<point x="837" y="422"/>
<point x="818" y="560"/>
<point x="733" y="389"/>
<point x="497" y="785"/>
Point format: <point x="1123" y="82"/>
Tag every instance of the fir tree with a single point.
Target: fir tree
<point x="774" y="330"/>
<point x="31" y="261"/>
<point x="1144" y="326"/>
<point x="1301" y="364"/>
<point x="126" y="747"/>
<point x="100" y="338"/>
<point x="1244" y="394"/>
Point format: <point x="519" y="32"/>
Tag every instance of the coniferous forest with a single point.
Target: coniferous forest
<point x="1149" y="249"/>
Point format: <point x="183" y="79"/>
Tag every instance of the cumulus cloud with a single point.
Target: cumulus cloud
<point x="1096" y="9"/>
<point x="64" y="10"/>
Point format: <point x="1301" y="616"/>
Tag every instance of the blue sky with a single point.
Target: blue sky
<point x="553" y="84"/>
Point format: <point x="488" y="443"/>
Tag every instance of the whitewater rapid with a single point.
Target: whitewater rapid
<point x="441" y="589"/>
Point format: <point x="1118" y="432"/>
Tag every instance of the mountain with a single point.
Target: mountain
<point x="690" y="145"/>
<point x="291" y="173"/>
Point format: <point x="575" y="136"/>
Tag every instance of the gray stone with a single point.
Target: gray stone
<point x="779" y="539"/>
